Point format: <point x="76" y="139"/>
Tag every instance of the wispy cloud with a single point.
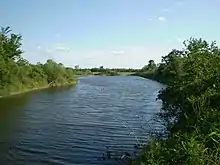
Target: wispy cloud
<point x="48" y="50"/>
<point x="179" y="3"/>
<point x="126" y="56"/>
<point x="165" y="10"/>
<point x="57" y="48"/>
<point x="149" y="19"/>
<point x="118" y="52"/>
<point x="39" y="47"/>
<point x="162" y="19"/>
<point x="62" y="48"/>
<point x="180" y="40"/>
<point x="177" y="40"/>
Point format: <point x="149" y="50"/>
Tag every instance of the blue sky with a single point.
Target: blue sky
<point x="112" y="33"/>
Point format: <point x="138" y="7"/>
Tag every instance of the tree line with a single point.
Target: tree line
<point x="191" y="106"/>
<point x="102" y="69"/>
<point x="18" y="74"/>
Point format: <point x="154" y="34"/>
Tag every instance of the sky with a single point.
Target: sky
<point x="112" y="33"/>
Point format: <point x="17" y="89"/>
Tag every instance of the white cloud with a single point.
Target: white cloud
<point x="165" y="10"/>
<point x="62" y="48"/>
<point x="127" y="56"/>
<point x="179" y="3"/>
<point x="57" y="47"/>
<point x="163" y="19"/>
<point x="39" y="47"/>
<point x="118" y="52"/>
<point x="149" y="19"/>
<point x="176" y="42"/>
<point x="180" y="40"/>
<point x="48" y="50"/>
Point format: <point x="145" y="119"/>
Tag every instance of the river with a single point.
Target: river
<point x="77" y="125"/>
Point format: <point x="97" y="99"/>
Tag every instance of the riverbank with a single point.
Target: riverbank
<point x="190" y="110"/>
<point x="149" y="75"/>
<point x="18" y="75"/>
<point x="108" y="73"/>
<point x="37" y="88"/>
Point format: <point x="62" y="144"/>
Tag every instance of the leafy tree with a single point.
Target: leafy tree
<point x="101" y="67"/>
<point x="76" y="66"/>
<point x="10" y="44"/>
<point x="151" y="65"/>
<point x="191" y="108"/>
<point x="17" y="74"/>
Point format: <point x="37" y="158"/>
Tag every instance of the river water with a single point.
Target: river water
<point x="77" y="125"/>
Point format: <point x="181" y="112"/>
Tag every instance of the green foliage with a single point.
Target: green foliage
<point x="108" y="73"/>
<point x="191" y="107"/>
<point x="18" y="75"/>
<point x="112" y="72"/>
<point x="148" y="71"/>
<point x="150" y="67"/>
<point x="181" y="148"/>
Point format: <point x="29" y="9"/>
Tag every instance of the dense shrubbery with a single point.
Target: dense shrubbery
<point x="191" y="106"/>
<point x="17" y="74"/>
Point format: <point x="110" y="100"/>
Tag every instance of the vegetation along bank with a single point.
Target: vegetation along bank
<point x="191" y="106"/>
<point x="17" y="75"/>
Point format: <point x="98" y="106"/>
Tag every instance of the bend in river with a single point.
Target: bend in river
<point x="76" y="125"/>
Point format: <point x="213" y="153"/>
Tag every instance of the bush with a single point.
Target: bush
<point x="191" y="107"/>
<point x="17" y="74"/>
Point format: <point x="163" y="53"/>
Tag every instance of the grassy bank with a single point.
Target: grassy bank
<point x="36" y="88"/>
<point x="191" y="107"/>
<point x="17" y="75"/>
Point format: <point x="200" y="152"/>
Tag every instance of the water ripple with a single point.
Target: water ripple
<point x="77" y="125"/>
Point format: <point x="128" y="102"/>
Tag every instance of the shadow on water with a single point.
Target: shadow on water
<point x="10" y="107"/>
<point x="58" y="89"/>
<point x="10" y="110"/>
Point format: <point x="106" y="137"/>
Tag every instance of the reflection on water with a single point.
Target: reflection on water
<point x="58" y="89"/>
<point x="10" y="110"/>
<point x="75" y="125"/>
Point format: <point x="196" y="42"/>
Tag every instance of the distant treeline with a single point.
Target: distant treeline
<point x="19" y="75"/>
<point x="191" y="106"/>
<point x="102" y="69"/>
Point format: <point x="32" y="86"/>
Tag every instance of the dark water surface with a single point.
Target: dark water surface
<point x="76" y="125"/>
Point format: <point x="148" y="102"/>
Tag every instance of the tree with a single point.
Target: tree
<point x="191" y="109"/>
<point x="10" y="44"/>
<point x="76" y="67"/>
<point x="151" y="65"/>
<point x="17" y="74"/>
